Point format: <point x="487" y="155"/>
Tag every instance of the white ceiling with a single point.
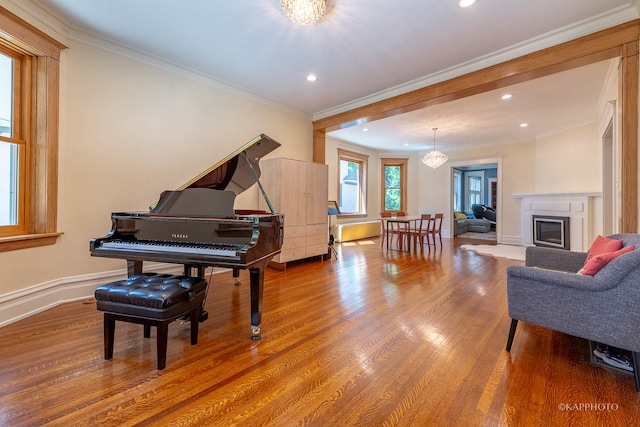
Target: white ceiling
<point x="548" y="104"/>
<point x="364" y="50"/>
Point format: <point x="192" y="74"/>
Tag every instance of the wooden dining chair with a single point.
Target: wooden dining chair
<point x="383" y="237"/>
<point x="421" y="231"/>
<point x="436" y="228"/>
<point x="402" y="233"/>
<point x="394" y="229"/>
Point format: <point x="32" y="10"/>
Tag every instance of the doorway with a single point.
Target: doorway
<point x="487" y="172"/>
<point x="611" y="221"/>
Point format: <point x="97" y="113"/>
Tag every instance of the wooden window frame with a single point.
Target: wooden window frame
<point x="363" y="160"/>
<point x="37" y="128"/>
<point x="404" y="164"/>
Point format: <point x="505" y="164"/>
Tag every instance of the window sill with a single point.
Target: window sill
<point x="356" y="215"/>
<point x="13" y="243"/>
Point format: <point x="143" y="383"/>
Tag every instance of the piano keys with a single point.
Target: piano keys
<point x="197" y="226"/>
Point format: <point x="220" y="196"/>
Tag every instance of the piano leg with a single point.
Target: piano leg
<point x="133" y="268"/>
<point x="236" y="274"/>
<point x="187" y="270"/>
<point x="256" y="276"/>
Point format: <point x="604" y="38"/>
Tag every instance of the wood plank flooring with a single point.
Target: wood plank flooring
<point x="374" y="338"/>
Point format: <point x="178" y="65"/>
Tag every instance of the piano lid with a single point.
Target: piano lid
<point x="239" y="170"/>
<point x="235" y="173"/>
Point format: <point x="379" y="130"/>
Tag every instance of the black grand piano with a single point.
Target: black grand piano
<point x="197" y="226"/>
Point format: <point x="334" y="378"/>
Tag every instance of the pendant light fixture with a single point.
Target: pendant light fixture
<point x="435" y="158"/>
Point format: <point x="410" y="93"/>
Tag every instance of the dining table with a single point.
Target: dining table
<point x="406" y="220"/>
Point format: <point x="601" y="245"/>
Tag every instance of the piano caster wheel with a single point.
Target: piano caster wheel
<point x="236" y="283"/>
<point x="255" y="333"/>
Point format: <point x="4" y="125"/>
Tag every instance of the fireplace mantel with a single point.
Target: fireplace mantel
<point x="578" y="206"/>
<point x="559" y="195"/>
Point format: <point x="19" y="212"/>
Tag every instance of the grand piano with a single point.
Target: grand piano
<point x="197" y="226"/>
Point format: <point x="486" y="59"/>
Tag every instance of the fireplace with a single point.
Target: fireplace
<point x="551" y="231"/>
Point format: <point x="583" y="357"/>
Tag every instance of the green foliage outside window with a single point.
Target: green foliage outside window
<point x="392" y="200"/>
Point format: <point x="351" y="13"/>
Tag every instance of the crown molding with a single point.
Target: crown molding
<point x="570" y="32"/>
<point x="53" y="22"/>
<point x="36" y="15"/>
<point x="175" y="68"/>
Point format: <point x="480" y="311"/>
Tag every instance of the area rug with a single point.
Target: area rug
<point x="499" y="251"/>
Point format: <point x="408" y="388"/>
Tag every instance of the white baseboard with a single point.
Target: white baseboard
<point x="21" y="304"/>
<point x="511" y="240"/>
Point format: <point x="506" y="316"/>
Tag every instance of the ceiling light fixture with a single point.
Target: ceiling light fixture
<point x="312" y="77"/>
<point x="434" y="159"/>
<point x="467" y="3"/>
<point x="304" y="12"/>
<point x="507" y="96"/>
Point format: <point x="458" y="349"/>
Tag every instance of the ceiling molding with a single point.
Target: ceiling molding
<point x="52" y="21"/>
<point x="585" y="121"/>
<point x="46" y="21"/>
<point x="174" y="68"/>
<point x="571" y="32"/>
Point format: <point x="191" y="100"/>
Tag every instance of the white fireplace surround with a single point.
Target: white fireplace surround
<point x="579" y="207"/>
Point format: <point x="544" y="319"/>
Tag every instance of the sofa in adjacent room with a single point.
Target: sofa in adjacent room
<point x="464" y="223"/>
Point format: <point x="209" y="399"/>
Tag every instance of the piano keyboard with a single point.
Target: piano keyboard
<point x="214" y="250"/>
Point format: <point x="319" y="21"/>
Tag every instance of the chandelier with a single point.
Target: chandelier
<point x="435" y="158"/>
<point x="304" y="12"/>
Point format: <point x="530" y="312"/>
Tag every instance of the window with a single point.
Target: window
<point x="475" y="188"/>
<point x="457" y="191"/>
<point x="12" y="145"/>
<point x="29" y="74"/>
<point x="352" y="182"/>
<point x="394" y="185"/>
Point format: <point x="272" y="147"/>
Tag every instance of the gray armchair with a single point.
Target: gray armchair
<point x="604" y="308"/>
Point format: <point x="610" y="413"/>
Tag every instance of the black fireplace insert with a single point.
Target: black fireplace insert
<point x="551" y="231"/>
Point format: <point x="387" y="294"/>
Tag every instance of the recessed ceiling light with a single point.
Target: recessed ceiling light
<point x="524" y="125"/>
<point x="312" y="77"/>
<point x="406" y="144"/>
<point x="507" y="96"/>
<point x="365" y="129"/>
<point x="467" y="3"/>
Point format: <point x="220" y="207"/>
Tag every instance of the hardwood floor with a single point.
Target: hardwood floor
<point x="375" y="338"/>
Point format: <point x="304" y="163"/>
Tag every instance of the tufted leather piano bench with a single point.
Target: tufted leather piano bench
<point x="151" y="299"/>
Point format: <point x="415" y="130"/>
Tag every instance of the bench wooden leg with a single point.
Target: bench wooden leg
<point x="163" y="332"/>
<point x="195" y="320"/>
<point x="109" y="335"/>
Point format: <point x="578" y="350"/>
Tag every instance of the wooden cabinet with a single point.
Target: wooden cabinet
<point x="299" y="190"/>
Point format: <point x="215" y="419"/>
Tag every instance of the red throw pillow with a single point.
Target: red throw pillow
<point x="603" y="245"/>
<point x="595" y="263"/>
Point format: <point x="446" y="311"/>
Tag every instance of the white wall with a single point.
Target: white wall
<point x="128" y="131"/>
<point x="569" y="161"/>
